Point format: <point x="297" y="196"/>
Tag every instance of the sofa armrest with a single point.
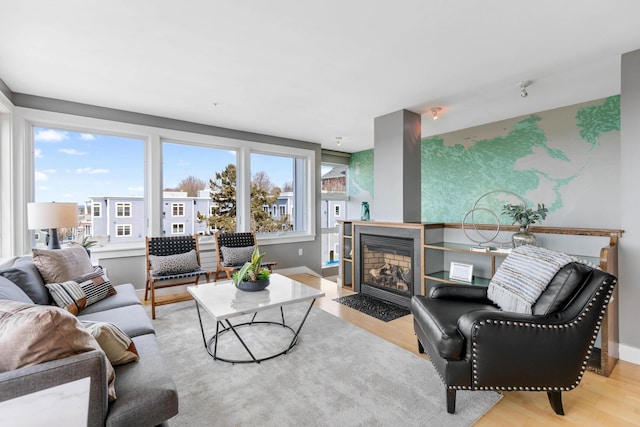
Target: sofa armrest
<point x="30" y="379"/>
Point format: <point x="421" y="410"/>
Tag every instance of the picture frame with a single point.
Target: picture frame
<point x="461" y="272"/>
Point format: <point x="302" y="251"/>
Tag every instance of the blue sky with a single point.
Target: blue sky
<point x="72" y="166"/>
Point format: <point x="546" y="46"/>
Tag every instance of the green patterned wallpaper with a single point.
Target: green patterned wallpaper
<point x="563" y="157"/>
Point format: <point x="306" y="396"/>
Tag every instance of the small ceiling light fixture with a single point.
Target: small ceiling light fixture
<point x="523" y="88"/>
<point x="339" y="140"/>
<point x="435" y="111"/>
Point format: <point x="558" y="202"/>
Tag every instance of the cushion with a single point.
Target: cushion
<point x="60" y="265"/>
<point x="523" y="276"/>
<point x="174" y="264"/>
<point x="563" y="288"/>
<point x="80" y="292"/>
<point x="116" y="344"/>
<point x="11" y="291"/>
<point x="236" y="256"/>
<point x="24" y="273"/>
<point x="32" y="334"/>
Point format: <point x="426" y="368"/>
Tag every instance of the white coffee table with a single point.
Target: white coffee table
<point x="224" y="301"/>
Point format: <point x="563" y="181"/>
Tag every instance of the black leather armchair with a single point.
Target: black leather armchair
<point x="476" y="346"/>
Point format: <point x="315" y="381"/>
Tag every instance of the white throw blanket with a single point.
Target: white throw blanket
<point x="523" y="276"/>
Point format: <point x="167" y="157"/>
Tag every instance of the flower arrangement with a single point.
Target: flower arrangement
<point x="523" y="215"/>
<point x="252" y="271"/>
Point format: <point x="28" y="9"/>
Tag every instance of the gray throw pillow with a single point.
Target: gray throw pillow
<point x="25" y="274"/>
<point x="174" y="264"/>
<point x="11" y="291"/>
<point x="236" y="256"/>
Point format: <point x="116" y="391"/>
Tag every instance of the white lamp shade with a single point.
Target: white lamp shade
<point x="52" y="215"/>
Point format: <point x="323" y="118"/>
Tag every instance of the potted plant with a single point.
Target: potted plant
<point x="252" y="276"/>
<point x="524" y="216"/>
<point x="86" y="243"/>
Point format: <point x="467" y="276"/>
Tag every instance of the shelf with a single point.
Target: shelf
<point x="443" y="276"/>
<point x="463" y="247"/>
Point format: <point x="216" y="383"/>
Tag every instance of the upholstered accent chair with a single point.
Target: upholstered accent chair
<point x="474" y="345"/>
<point x="234" y="249"/>
<point x="172" y="261"/>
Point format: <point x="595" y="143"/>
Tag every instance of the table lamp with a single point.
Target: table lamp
<point x="52" y="215"/>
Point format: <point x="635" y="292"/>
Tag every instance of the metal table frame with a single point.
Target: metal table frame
<point x="230" y="327"/>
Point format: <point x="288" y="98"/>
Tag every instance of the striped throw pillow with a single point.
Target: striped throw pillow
<point x="76" y="294"/>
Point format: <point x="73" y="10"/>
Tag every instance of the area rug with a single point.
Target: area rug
<point x="375" y="307"/>
<point x="336" y="375"/>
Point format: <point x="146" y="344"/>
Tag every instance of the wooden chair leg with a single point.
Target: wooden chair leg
<point x="153" y="300"/>
<point x="451" y="400"/>
<point x="555" y="399"/>
<point x="146" y="289"/>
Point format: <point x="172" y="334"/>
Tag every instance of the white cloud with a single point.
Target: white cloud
<point x="87" y="136"/>
<point x="134" y="191"/>
<point x="40" y="176"/>
<point x="51" y="135"/>
<point x="91" y="171"/>
<point x="183" y="163"/>
<point x="48" y="171"/>
<point x="71" y="151"/>
<point x="37" y="153"/>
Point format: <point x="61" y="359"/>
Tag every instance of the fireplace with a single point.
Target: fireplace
<point x="387" y="264"/>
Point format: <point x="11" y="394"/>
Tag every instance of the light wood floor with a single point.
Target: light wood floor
<point x="597" y="401"/>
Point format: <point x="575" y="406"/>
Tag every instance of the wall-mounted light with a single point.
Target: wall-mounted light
<point x="339" y="140"/>
<point x="523" y="88"/>
<point x="435" y="111"/>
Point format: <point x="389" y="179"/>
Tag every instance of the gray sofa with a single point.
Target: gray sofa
<point x="146" y="393"/>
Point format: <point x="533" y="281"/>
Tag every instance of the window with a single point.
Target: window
<point x="277" y="180"/>
<point x="177" y="228"/>
<point x="203" y="178"/>
<point x="88" y="168"/>
<point x="334" y="201"/>
<point x="283" y="210"/>
<point x="177" y="209"/>
<point x="123" y="230"/>
<point x="123" y="210"/>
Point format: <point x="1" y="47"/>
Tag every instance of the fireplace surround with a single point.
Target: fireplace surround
<point x="387" y="263"/>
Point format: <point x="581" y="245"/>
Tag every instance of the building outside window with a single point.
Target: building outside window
<point x="96" y="210"/>
<point x="336" y="211"/>
<point x="177" y="228"/>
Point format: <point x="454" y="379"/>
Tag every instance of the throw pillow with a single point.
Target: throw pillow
<point x="117" y="345"/>
<point x="174" y="264"/>
<point x="236" y="256"/>
<point x="24" y="273"/>
<point x="523" y="276"/>
<point x="60" y="265"/>
<point x="11" y="291"/>
<point x="32" y="334"/>
<point x="74" y="295"/>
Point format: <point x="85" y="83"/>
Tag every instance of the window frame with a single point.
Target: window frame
<point x="95" y="205"/>
<point x="123" y="205"/>
<point x="179" y="205"/>
<point x="177" y="224"/>
<point x="123" y="227"/>
<point x="23" y="121"/>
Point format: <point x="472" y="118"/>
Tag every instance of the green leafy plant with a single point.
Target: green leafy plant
<point x="251" y="271"/>
<point x="86" y="242"/>
<point x="523" y="215"/>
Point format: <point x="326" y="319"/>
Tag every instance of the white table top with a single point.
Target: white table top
<point x="223" y="300"/>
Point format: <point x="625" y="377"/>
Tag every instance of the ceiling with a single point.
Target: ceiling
<point x="316" y="70"/>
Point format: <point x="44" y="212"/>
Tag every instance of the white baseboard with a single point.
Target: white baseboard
<point x="629" y="354"/>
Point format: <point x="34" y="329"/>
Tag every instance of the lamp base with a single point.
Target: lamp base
<point x="54" y="242"/>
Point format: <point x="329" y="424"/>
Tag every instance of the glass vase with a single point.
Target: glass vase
<point x="523" y="237"/>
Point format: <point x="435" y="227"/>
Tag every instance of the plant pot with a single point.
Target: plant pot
<point x="253" y="286"/>
<point x="523" y="237"/>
